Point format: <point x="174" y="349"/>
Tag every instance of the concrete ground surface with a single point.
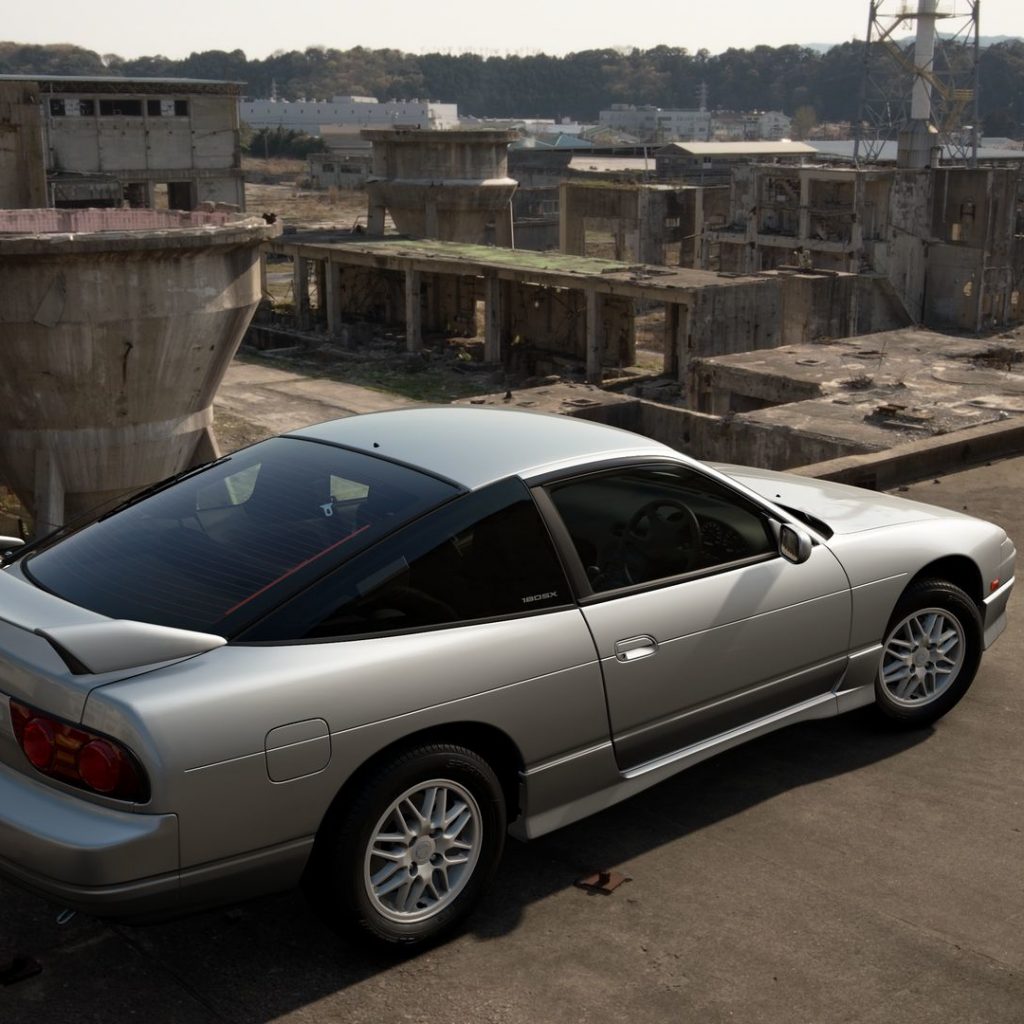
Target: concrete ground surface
<point x="836" y="871"/>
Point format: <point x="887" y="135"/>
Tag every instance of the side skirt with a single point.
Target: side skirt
<point x="569" y="788"/>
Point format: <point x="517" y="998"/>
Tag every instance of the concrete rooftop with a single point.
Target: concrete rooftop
<point x="877" y="389"/>
<point x="552" y="268"/>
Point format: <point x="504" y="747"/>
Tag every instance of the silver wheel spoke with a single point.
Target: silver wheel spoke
<point x="423" y="850"/>
<point x="922" y="656"/>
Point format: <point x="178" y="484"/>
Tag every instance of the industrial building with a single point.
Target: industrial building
<point x="311" y="116"/>
<point x="654" y="124"/>
<point x="101" y="142"/>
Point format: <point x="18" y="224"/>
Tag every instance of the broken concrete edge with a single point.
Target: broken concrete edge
<point x="918" y="460"/>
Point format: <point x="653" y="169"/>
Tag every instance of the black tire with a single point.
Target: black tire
<point x="947" y="657"/>
<point x="345" y="864"/>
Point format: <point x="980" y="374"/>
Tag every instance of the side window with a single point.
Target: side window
<point x="638" y="526"/>
<point x="483" y="556"/>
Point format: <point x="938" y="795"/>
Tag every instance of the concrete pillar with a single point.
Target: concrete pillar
<point x="320" y="270"/>
<point x="492" y="320"/>
<point x="670" y="357"/>
<point x="300" y="291"/>
<point x="677" y="340"/>
<point x="572" y="236"/>
<point x="431" y="227"/>
<point x="620" y="242"/>
<point x="650" y="226"/>
<point x="696" y="243"/>
<point x="375" y="218"/>
<point x="804" y="230"/>
<point x="264" y="292"/>
<point x="504" y="230"/>
<point x="595" y="336"/>
<point x="332" y="285"/>
<point x="857" y="228"/>
<point x="413" y="312"/>
<point x="48" y="488"/>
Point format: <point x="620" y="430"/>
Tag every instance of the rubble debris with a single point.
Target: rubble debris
<point x="603" y="882"/>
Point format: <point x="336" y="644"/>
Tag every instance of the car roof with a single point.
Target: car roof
<point x="474" y="446"/>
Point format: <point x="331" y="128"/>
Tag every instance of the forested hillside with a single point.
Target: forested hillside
<point x="577" y="85"/>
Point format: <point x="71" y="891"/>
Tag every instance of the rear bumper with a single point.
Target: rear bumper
<point x="82" y="854"/>
<point x="115" y="863"/>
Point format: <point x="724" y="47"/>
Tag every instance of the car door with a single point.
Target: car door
<point x="700" y="624"/>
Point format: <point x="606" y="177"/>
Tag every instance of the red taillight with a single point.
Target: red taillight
<point x="76" y="756"/>
<point x="99" y="764"/>
<point x="37" y="742"/>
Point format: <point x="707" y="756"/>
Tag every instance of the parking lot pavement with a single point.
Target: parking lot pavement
<point x="832" y="872"/>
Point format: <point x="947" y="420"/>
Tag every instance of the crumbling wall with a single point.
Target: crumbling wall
<point x="817" y="307"/>
<point x="555" y="320"/>
<point x="717" y="439"/>
<point x="737" y="440"/>
<point x="740" y="318"/>
<point x="910" y="231"/>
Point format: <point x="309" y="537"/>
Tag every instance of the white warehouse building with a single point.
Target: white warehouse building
<point x="349" y="111"/>
<point x="653" y="124"/>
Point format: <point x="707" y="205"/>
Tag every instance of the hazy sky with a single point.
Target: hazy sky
<point x="136" y="28"/>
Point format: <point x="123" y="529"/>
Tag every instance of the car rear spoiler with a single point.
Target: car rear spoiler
<point x="90" y="643"/>
<point x="117" y="644"/>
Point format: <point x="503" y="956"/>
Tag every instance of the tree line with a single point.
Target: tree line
<point x="575" y="86"/>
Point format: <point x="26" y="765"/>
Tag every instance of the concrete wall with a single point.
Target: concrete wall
<point x="653" y="224"/>
<point x="148" y="138"/>
<point x="720" y="321"/>
<point x="554" y="320"/>
<point x="22" y="175"/>
<point x="718" y="439"/>
<point x="973" y="264"/>
<point x="817" y="307"/>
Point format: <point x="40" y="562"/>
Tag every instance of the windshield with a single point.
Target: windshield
<point x="218" y="549"/>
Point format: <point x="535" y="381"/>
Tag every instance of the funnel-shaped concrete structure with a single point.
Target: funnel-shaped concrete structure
<point x="450" y="185"/>
<point x="116" y="328"/>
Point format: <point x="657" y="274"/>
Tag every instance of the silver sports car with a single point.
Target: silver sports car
<point x="358" y="655"/>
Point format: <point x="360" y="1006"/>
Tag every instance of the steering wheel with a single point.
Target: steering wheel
<point x="662" y="538"/>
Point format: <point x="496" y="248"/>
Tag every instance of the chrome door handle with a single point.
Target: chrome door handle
<point x="635" y="648"/>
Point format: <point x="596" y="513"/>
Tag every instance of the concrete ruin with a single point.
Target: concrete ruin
<point x="863" y="401"/>
<point x="948" y="240"/>
<point x="655" y="224"/>
<point x="102" y="142"/>
<point x="540" y="305"/>
<point x="449" y="185"/>
<point x="116" y="327"/>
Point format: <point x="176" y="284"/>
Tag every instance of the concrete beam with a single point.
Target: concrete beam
<point x="413" y="312"/>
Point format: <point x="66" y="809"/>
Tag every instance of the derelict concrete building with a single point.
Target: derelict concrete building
<point x="449" y="185"/>
<point x="103" y="141"/>
<point x="946" y="239"/>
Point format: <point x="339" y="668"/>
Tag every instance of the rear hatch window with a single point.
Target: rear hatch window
<point x="220" y="548"/>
